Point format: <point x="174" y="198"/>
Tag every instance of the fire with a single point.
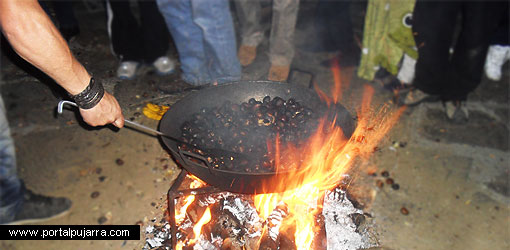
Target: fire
<point x="265" y="204"/>
<point x="206" y="217"/>
<point x="326" y="157"/>
<point x="180" y="216"/>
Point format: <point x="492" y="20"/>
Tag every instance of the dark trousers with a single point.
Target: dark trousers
<point x="64" y="12"/>
<point x="453" y="76"/>
<point x="143" y="42"/>
<point x="333" y="22"/>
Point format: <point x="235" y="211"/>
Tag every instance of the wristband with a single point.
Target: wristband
<point x="90" y="96"/>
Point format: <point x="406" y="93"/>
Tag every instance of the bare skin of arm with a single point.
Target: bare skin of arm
<point x="36" y="39"/>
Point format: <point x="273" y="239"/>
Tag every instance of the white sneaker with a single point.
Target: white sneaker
<point x="496" y="57"/>
<point x="127" y="70"/>
<point x="164" y="65"/>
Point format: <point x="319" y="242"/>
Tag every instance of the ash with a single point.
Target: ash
<point x="156" y="237"/>
<point x="237" y="225"/>
<point x="345" y="224"/>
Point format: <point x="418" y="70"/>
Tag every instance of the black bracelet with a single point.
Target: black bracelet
<point x="90" y="96"/>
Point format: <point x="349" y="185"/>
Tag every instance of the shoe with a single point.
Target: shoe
<point x="164" y="65"/>
<point x="127" y="70"/>
<point x="415" y="96"/>
<point x="247" y="54"/>
<point x="279" y="73"/>
<point x="456" y="111"/>
<point x="38" y="208"/>
<point x="496" y="57"/>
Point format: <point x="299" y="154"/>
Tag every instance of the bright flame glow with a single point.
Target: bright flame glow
<point x="179" y="246"/>
<point x="206" y="217"/>
<point x="179" y="217"/>
<point x="196" y="183"/>
<point x="265" y="204"/>
<point x="327" y="155"/>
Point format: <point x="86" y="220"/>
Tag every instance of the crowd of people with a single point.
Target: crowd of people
<point x="446" y="69"/>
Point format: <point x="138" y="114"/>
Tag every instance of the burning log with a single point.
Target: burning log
<point x="274" y="221"/>
<point x="248" y="223"/>
<point x="319" y="238"/>
<point x="286" y="238"/>
<point x="235" y="224"/>
<point x="231" y="244"/>
<point x="344" y="222"/>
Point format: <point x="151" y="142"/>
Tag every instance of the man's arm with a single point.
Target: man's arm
<point x="36" y="39"/>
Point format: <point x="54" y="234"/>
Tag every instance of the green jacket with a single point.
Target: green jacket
<point x="386" y="36"/>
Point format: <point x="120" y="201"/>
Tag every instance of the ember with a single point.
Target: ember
<point x="234" y="223"/>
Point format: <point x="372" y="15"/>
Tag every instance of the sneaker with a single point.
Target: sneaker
<point x="38" y="208"/>
<point x="247" y="54"/>
<point x="416" y="96"/>
<point x="278" y="73"/>
<point x="496" y="57"/>
<point x="456" y="111"/>
<point x="127" y="70"/>
<point x="164" y="65"/>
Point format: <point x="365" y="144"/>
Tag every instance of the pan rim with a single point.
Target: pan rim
<point x="240" y="173"/>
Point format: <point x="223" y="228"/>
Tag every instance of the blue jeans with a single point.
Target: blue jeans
<point x="11" y="194"/>
<point x="203" y="33"/>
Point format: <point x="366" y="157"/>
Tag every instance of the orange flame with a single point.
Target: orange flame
<point x="265" y="203"/>
<point x="206" y="217"/>
<point x="326" y="156"/>
<point x="196" y="183"/>
<point x="179" y="217"/>
<point x="337" y="78"/>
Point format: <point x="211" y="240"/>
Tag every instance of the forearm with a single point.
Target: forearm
<point x="35" y="38"/>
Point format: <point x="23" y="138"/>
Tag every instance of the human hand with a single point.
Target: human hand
<point x="105" y="112"/>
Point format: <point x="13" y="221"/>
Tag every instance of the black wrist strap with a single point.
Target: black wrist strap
<point x="90" y="96"/>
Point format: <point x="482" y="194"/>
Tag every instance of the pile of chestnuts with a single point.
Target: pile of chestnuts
<point x="248" y="128"/>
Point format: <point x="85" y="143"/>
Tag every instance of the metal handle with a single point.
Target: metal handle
<point x="312" y="75"/>
<point x="185" y="154"/>
<point x="60" y="110"/>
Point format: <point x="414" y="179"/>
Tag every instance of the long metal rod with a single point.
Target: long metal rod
<point x="138" y="126"/>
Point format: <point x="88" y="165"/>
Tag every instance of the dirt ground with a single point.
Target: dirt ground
<point x="454" y="178"/>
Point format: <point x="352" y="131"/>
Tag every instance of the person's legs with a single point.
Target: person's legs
<point x="124" y="31"/>
<point x="125" y="37"/>
<point x="188" y="39"/>
<point x="154" y="31"/>
<point x="156" y="38"/>
<point x="281" y="45"/>
<point x="215" y="21"/>
<point x="17" y="204"/>
<point x="11" y="192"/>
<point x="433" y="26"/>
<point x="433" y="38"/>
<point x="479" y="22"/>
<point x="68" y="25"/>
<point x="499" y="50"/>
<point x="248" y="12"/>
